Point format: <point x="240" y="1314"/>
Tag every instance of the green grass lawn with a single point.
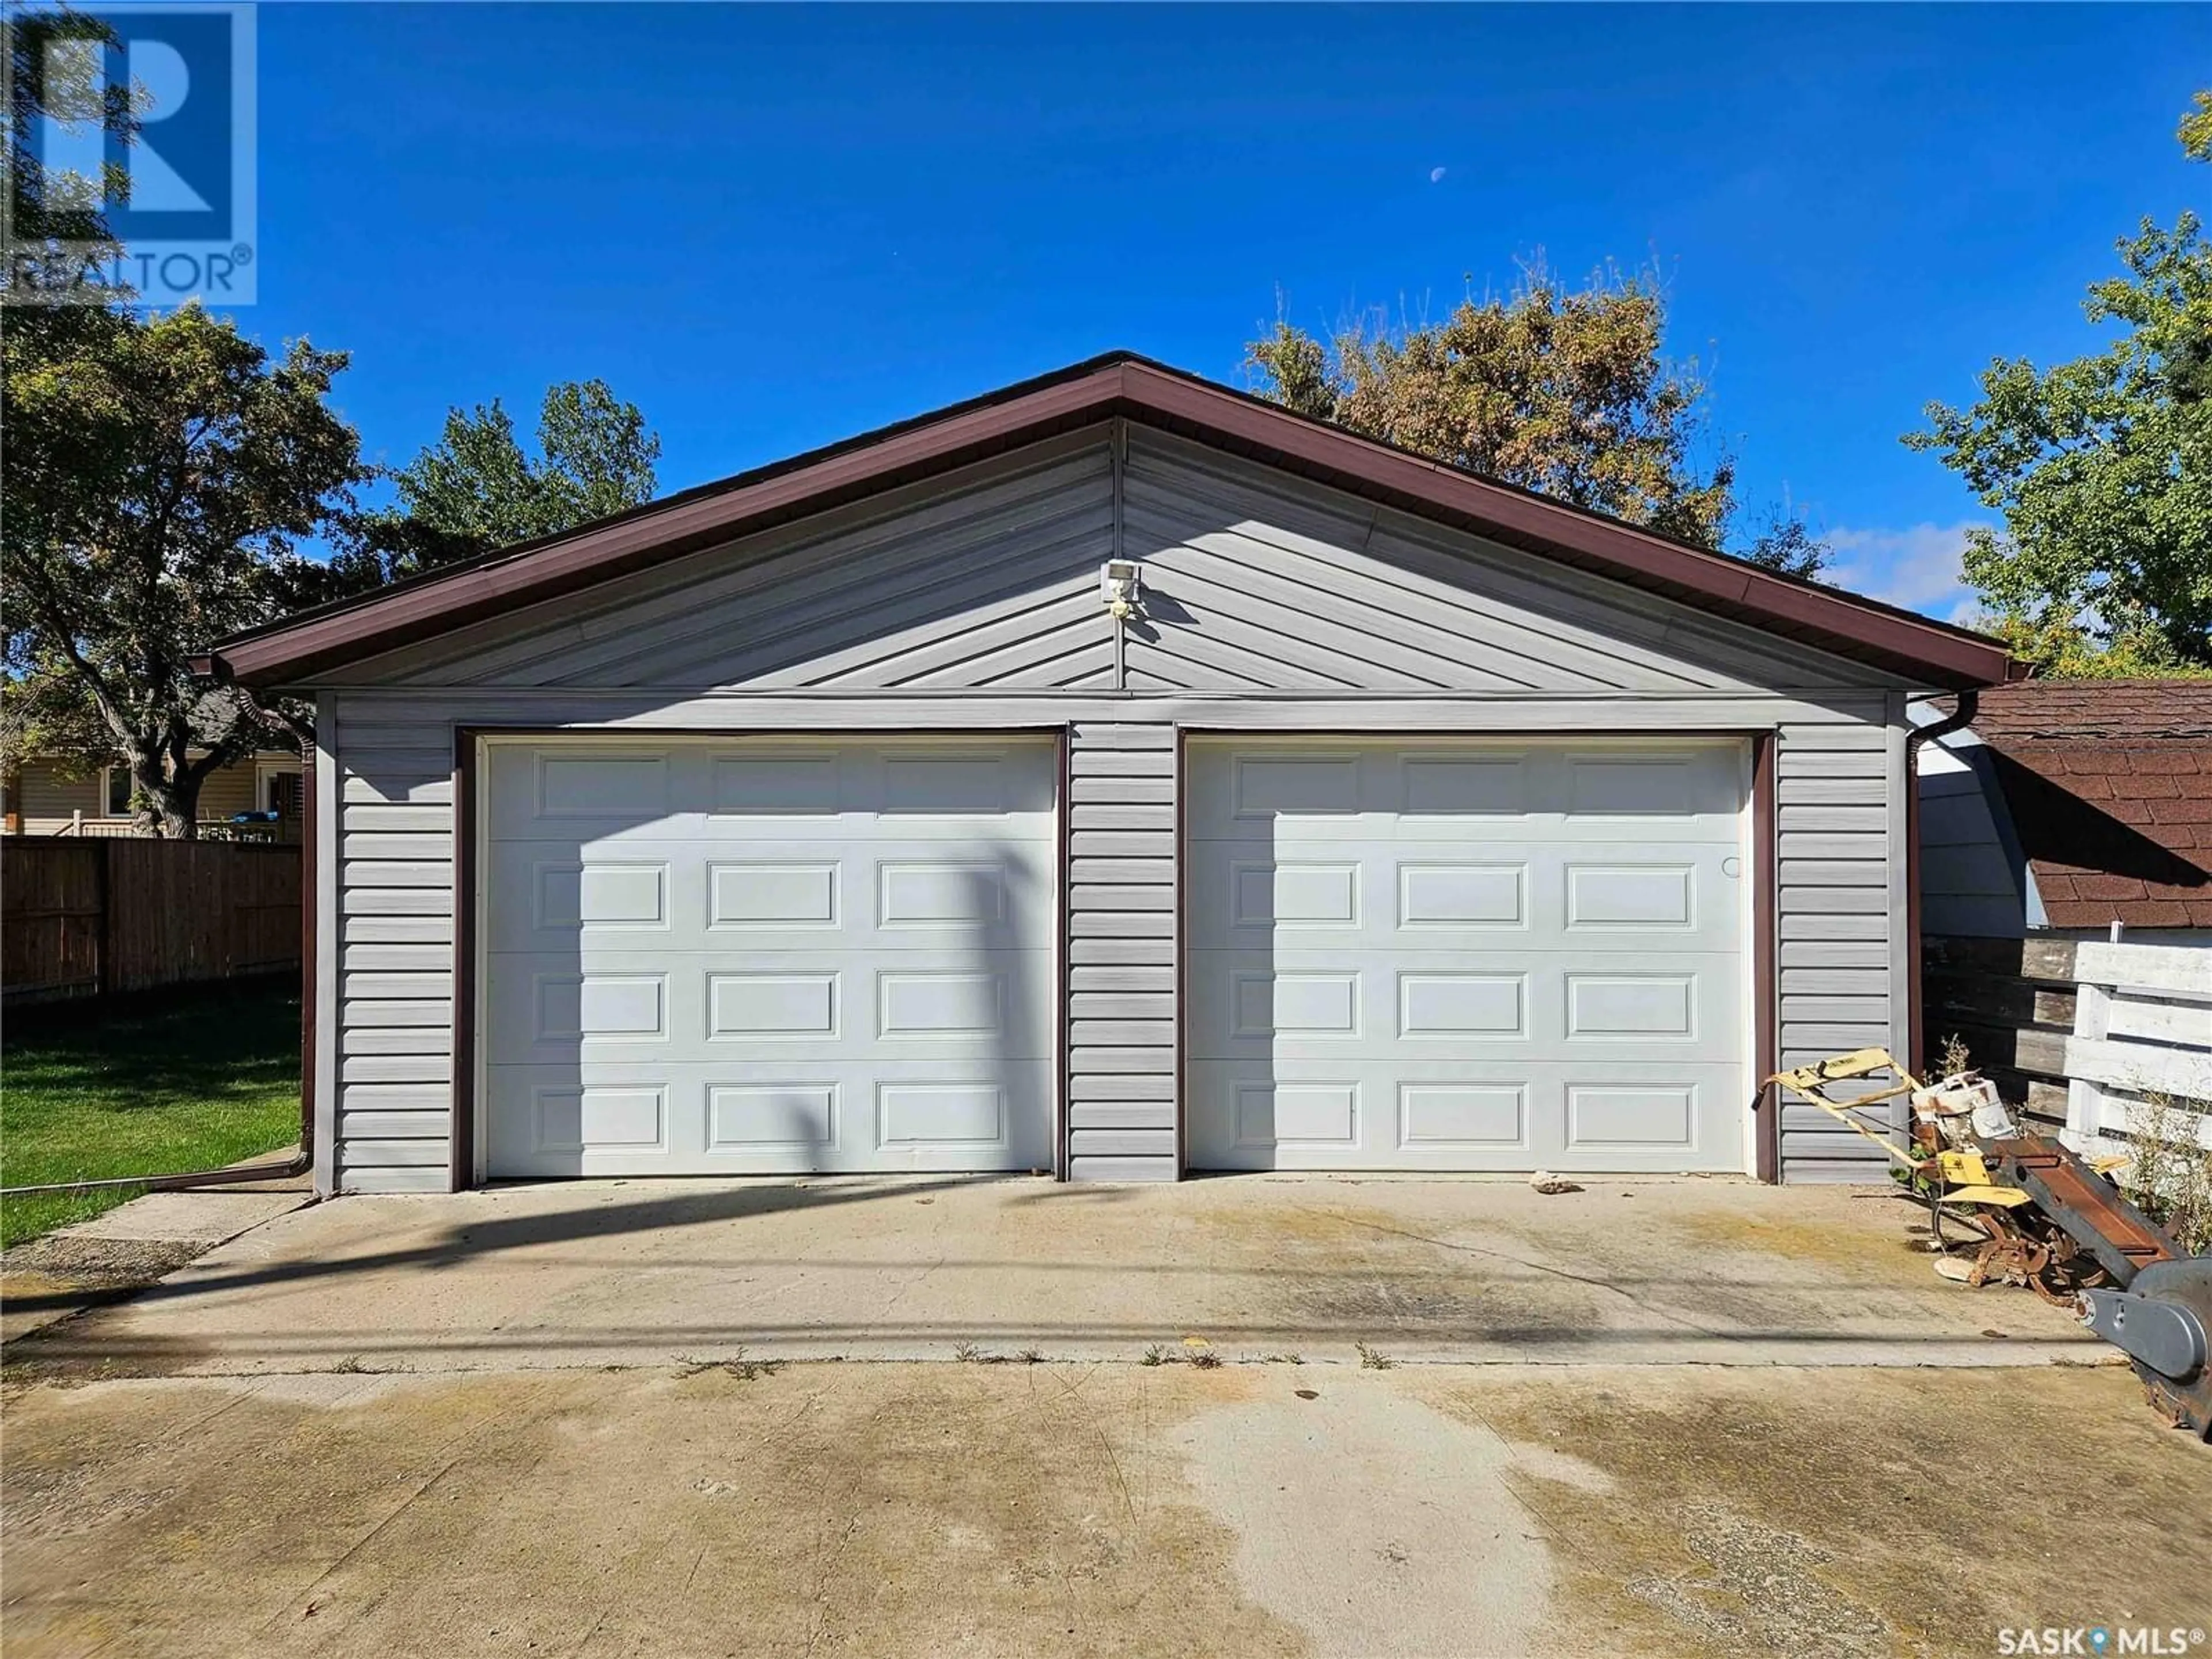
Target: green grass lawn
<point x="197" y="1079"/>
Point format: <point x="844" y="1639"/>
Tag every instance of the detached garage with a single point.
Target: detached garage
<point x="1113" y="777"/>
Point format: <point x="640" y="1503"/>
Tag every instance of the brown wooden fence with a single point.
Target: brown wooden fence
<point x="85" y="918"/>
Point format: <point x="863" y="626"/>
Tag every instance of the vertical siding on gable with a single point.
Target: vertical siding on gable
<point x="1840" y="945"/>
<point x="1121" y="952"/>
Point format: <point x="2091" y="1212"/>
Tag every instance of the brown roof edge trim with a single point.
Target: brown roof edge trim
<point x="922" y="448"/>
<point x="420" y="610"/>
<point x="1636" y="554"/>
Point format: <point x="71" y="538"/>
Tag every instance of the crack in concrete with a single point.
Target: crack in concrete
<point x="937" y="1232"/>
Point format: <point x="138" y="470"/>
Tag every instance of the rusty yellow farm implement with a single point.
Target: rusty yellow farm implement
<point x="2021" y="1208"/>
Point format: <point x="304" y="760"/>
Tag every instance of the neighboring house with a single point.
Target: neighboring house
<point x="52" y="797"/>
<point x="2069" y="807"/>
<point x="1114" y="776"/>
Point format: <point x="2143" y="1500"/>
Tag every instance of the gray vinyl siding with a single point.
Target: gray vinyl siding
<point x="1272" y="604"/>
<point x="391" y="840"/>
<point x="1256" y="582"/>
<point x="1122" y="950"/>
<point x="989" y="579"/>
<point x="1839" y="917"/>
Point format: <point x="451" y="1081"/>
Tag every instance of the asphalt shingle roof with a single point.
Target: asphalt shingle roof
<point x="2110" y="784"/>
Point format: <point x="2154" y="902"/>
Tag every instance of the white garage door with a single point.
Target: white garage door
<point x="1443" y="956"/>
<point x="719" y="957"/>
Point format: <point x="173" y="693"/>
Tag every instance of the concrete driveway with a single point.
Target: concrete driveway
<point x="1248" y="1416"/>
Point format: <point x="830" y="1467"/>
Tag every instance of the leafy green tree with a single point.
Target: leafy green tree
<point x="2102" y="467"/>
<point x="1786" y="543"/>
<point x="1561" y="391"/>
<point x="477" y="489"/>
<point x="2060" y="648"/>
<point x="161" y="475"/>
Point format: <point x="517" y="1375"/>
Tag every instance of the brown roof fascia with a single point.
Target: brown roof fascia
<point x="304" y="647"/>
<point x="1895" y="638"/>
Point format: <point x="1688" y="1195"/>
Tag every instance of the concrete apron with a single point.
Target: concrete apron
<point x="55" y="1277"/>
<point x="1378" y="1272"/>
<point x="912" y="1511"/>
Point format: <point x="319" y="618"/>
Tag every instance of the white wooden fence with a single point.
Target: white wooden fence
<point x="2143" y="1025"/>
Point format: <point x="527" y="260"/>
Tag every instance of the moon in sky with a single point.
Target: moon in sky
<point x="1436" y="175"/>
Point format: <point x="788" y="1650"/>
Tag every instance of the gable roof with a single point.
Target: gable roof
<point x="2109" y="783"/>
<point x="312" y="644"/>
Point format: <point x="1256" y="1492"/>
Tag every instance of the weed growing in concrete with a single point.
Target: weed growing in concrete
<point x="1155" y="1355"/>
<point x="1370" y="1360"/>
<point x="744" y="1370"/>
<point x="349" y="1366"/>
<point x="969" y="1354"/>
<point x="1205" y="1360"/>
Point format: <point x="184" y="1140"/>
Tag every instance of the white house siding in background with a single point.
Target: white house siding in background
<point x="1974" y="882"/>
<point x="1272" y="604"/>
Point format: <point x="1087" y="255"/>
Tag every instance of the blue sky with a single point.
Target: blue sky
<point x="774" y="227"/>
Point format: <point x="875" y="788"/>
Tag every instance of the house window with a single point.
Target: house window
<point x="118" y="792"/>
<point x="284" y="794"/>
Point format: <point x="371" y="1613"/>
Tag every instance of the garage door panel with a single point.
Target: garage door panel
<point x="643" y="1018"/>
<point x="552" y="1009"/>
<point x="818" y="955"/>
<point x="1318" y="793"/>
<point x="1453" y="1114"/>
<point x="1589" y="893"/>
<point x="764" y="1117"/>
<point x="1480" y="956"/>
<point x="1386" y="1006"/>
<point x="1316" y="837"/>
<point x="598" y="788"/>
<point x="642" y="1003"/>
<point x="702" y="892"/>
